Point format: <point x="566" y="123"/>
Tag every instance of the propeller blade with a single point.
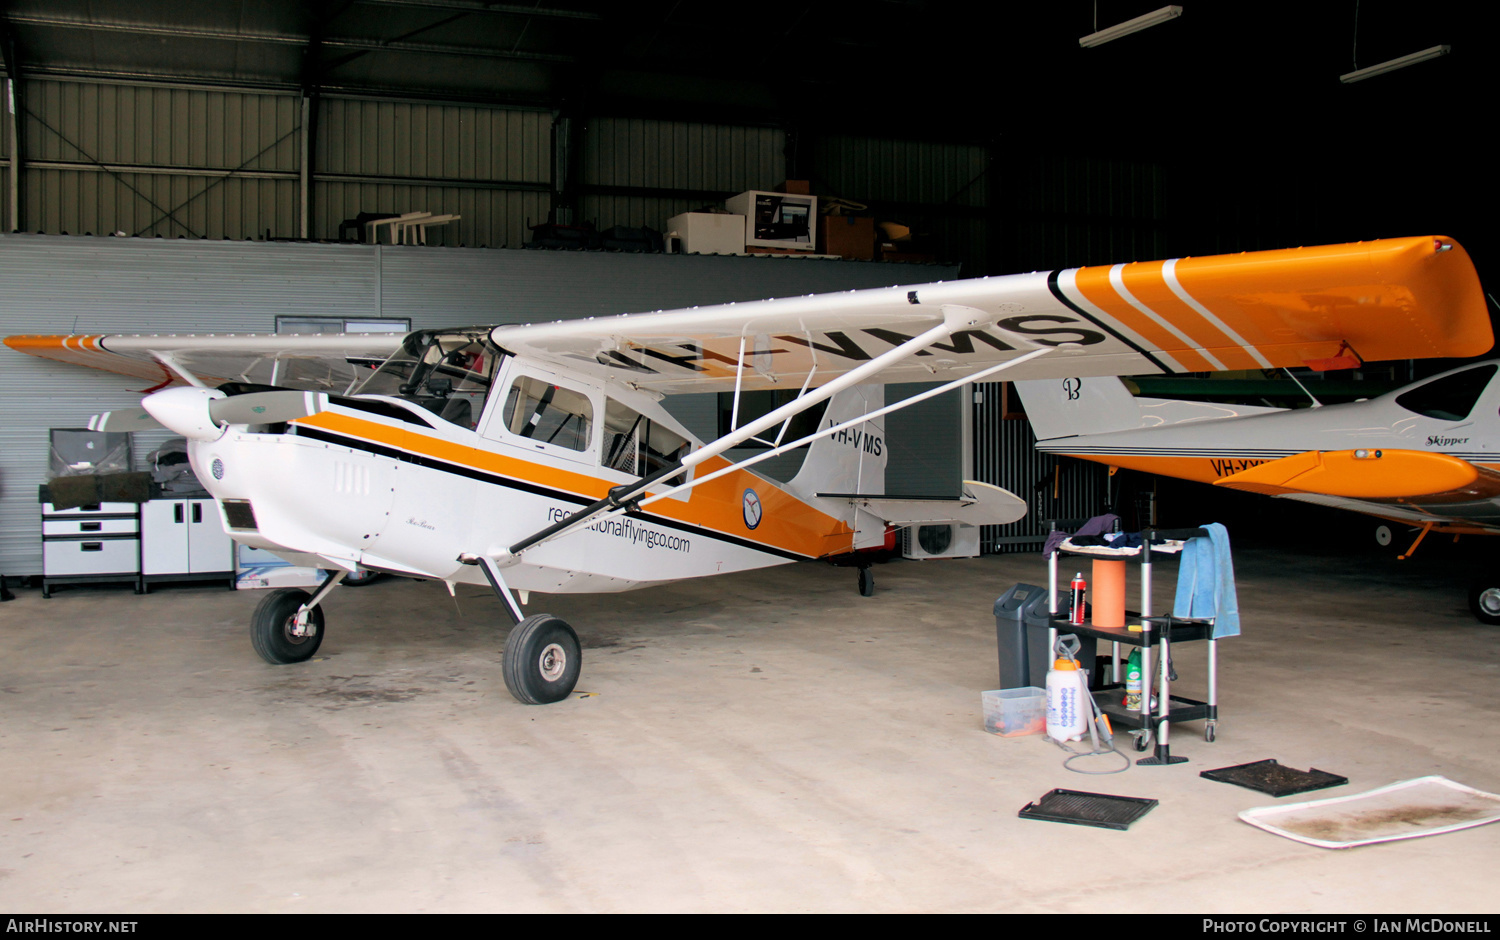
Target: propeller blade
<point x="266" y="407"/>
<point x="130" y="419"/>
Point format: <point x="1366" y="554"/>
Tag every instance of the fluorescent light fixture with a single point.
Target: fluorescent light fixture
<point x="1361" y="74"/>
<point x="1145" y="21"/>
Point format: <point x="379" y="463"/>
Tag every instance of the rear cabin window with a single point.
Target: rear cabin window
<point x="548" y="413"/>
<point x="635" y="444"/>
<point x="1450" y="398"/>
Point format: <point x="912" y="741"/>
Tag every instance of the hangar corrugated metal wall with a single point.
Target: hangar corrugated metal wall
<point x="492" y="166"/>
<point x="207" y="162"/>
<point x="1053" y="487"/>
<point x="941" y="190"/>
<point x="126" y="285"/>
<point x="641" y="172"/>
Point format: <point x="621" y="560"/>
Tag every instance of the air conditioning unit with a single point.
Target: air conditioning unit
<point x="940" y="540"/>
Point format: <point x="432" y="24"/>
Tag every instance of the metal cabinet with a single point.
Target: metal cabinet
<point x="98" y="542"/>
<point x="183" y="539"/>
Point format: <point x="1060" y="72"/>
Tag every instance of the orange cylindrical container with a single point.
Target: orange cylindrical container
<point x="1109" y="593"/>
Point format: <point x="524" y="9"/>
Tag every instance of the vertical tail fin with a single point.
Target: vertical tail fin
<point x="851" y="461"/>
<point x="1073" y="406"/>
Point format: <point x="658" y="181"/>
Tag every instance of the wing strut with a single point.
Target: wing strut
<point x="954" y="318"/>
<point x="622" y="499"/>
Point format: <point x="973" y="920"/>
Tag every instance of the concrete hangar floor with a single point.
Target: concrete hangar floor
<point x="760" y="742"/>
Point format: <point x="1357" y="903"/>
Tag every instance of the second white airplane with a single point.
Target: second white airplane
<point x="1425" y="456"/>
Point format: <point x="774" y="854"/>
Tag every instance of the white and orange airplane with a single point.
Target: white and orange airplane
<point x="539" y="458"/>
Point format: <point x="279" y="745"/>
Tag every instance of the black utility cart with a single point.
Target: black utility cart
<point x="1155" y="640"/>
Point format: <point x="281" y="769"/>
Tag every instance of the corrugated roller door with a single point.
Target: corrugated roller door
<point x="1054" y="487"/>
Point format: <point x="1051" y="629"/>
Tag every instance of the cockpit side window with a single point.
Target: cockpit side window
<point x="448" y="372"/>
<point x="550" y="414"/>
<point x="635" y="444"/>
<point x="1450" y="398"/>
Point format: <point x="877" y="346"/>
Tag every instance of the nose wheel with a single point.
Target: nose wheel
<point x="275" y="632"/>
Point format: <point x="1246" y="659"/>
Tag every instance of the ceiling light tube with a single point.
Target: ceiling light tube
<point x="1394" y="64"/>
<point x="1144" y="21"/>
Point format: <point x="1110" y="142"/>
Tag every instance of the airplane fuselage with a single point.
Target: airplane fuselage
<point x="1456" y="414"/>
<point x="385" y="484"/>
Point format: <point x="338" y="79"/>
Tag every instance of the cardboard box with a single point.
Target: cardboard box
<point x="706" y="233"/>
<point x="849" y="236"/>
<point x="795" y="187"/>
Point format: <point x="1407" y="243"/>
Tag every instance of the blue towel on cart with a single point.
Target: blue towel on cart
<point x="1205" y="582"/>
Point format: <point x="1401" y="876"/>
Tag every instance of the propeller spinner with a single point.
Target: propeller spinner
<point x="200" y="414"/>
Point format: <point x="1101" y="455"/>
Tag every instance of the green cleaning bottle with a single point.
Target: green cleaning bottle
<point x="1133" y="680"/>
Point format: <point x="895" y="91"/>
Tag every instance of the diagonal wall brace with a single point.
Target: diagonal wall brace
<point x="497" y="583"/>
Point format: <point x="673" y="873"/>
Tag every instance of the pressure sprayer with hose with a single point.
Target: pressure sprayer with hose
<point x="1072" y="711"/>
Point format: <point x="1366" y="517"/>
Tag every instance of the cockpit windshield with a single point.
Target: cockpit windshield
<point x="448" y="372"/>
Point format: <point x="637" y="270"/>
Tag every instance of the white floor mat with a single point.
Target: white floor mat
<point x="1426" y="806"/>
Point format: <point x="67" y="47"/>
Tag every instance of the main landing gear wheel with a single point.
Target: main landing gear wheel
<point x="1484" y="600"/>
<point x="1383" y="535"/>
<point x="866" y="582"/>
<point x="542" y="660"/>
<point x="271" y="628"/>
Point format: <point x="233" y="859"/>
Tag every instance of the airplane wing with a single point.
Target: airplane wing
<point x="1325" y="307"/>
<point x="1398" y="298"/>
<point x="289" y="360"/>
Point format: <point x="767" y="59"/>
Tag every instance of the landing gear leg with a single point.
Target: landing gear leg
<point x="542" y="654"/>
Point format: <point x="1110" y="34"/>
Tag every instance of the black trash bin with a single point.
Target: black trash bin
<point x="1022" y="618"/>
<point x="1011" y="634"/>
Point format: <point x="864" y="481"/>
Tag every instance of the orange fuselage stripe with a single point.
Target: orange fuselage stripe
<point x="787" y="523"/>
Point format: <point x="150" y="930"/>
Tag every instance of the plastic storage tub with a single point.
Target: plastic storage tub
<point x="1012" y="712"/>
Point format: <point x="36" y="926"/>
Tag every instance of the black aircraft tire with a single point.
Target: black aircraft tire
<point x="271" y="628"/>
<point x="866" y="582"/>
<point x="542" y="660"/>
<point x="1484" y="600"/>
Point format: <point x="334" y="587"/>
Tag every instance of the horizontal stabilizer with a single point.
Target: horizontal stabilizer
<point x="980" y="504"/>
<point x="1396" y="475"/>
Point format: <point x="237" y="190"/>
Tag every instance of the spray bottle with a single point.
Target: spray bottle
<point x="1075" y="602"/>
<point x="1133" y="680"/>
<point x="1068" y="710"/>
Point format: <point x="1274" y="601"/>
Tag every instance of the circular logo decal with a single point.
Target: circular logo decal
<point x="752" y="509"/>
<point x="218" y="469"/>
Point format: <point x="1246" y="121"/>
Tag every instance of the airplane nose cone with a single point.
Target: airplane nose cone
<point x="185" y="410"/>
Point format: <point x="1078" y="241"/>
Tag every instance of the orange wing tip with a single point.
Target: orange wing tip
<point x="1367" y="474"/>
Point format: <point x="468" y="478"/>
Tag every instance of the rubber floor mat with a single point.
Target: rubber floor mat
<point x="1267" y="776"/>
<point x="1088" y="809"/>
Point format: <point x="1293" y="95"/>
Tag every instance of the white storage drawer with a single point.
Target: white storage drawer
<point x="63" y="558"/>
<point x="85" y="526"/>
<point x="123" y="509"/>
